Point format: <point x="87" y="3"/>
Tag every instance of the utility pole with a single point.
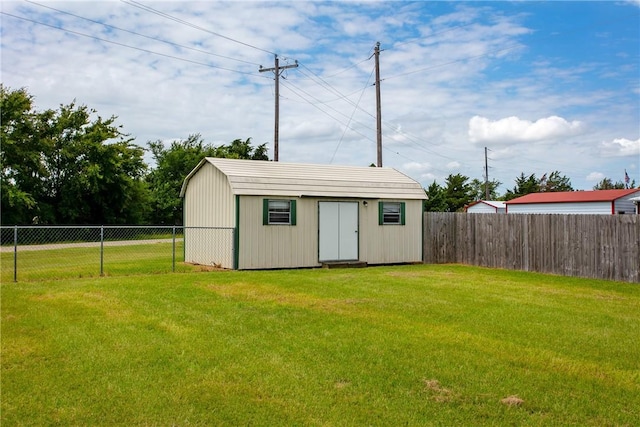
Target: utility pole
<point x="376" y="53"/>
<point x="486" y="175"/>
<point x="277" y="70"/>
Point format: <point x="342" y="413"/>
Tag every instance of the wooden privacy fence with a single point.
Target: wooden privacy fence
<point x="595" y="246"/>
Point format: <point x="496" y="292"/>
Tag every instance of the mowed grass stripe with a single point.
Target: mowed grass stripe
<point x="417" y="345"/>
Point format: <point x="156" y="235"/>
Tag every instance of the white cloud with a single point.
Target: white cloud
<point x="416" y="166"/>
<point x="620" y="147"/>
<point x="453" y="165"/>
<point x="595" y="177"/>
<point x="513" y="129"/>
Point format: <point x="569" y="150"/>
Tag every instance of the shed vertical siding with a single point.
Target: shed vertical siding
<point x="209" y="202"/>
<point x="388" y="244"/>
<point x="285" y="246"/>
<point x="277" y="246"/>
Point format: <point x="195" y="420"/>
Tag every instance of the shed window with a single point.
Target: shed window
<point x="279" y="212"/>
<point x="391" y="213"/>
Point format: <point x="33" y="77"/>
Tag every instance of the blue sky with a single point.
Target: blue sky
<point x="543" y="85"/>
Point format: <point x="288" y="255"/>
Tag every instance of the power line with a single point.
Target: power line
<point x="189" y="24"/>
<point x="296" y="90"/>
<point x="128" y="46"/>
<point x="290" y="85"/>
<point x="411" y="138"/>
<point x="351" y="118"/>
<point x="470" y="58"/>
<point x="341" y="71"/>
<point x="324" y="84"/>
<point x="141" y="35"/>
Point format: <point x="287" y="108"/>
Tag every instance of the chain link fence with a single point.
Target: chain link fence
<point x="60" y="252"/>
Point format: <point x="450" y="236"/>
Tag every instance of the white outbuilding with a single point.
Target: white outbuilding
<point x="249" y="214"/>
<point x="486" y="206"/>
<point x="603" y="202"/>
<point x="636" y="202"/>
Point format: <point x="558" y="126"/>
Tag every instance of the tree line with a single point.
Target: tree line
<point x="459" y="191"/>
<point x="71" y="166"/>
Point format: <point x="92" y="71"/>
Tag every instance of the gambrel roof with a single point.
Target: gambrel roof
<point x="256" y="177"/>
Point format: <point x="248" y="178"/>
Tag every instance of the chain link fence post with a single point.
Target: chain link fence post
<point x="173" y="250"/>
<point x="15" y="253"/>
<point x="102" y="250"/>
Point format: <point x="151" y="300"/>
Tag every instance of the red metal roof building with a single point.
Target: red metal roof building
<point x="577" y="202"/>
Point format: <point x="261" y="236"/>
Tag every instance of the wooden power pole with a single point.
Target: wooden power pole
<point x="486" y="175"/>
<point x="376" y="53"/>
<point x="277" y="70"/>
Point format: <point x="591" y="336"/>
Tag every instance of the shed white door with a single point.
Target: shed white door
<point x="338" y="233"/>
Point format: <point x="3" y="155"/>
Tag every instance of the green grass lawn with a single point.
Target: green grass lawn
<point x="69" y="263"/>
<point x="401" y="345"/>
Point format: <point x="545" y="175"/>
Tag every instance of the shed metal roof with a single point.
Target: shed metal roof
<point x="573" y="196"/>
<point x="255" y="177"/>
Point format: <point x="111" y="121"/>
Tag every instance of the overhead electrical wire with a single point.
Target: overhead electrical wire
<point x="130" y="47"/>
<point x="354" y="130"/>
<point x="141" y="35"/>
<point x="411" y="138"/>
<point x="297" y="91"/>
<point x="317" y="79"/>
<point x="343" y="70"/>
<point x="322" y="83"/>
<point x="470" y="58"/>
<point x="351" y="118"/>
<point x="189" y="24"/>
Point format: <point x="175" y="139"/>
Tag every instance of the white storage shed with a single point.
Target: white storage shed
<point x="249" y="214"/>
<point x="486" y="206"/>
<point x="636" y="201"/>
<point x="603" y="202"/>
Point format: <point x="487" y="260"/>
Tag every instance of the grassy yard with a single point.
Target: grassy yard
<point x="402" y="345"/>
<point x="78" y="262"/>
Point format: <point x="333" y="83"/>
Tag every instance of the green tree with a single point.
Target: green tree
<point x="608" y="184"/>
<point x="554" y="181"/>
<point x="457" y="192"/>
<point x="94" y="171"/>
<point x="174" y="163"/>
<point x="524" y="185"/>
<point x="66" y="167"/>
<point x="478" y="191"/>
<point x="20" y="182"/>
<point x="436" y="199"/>
<point x="239" y="149"/>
